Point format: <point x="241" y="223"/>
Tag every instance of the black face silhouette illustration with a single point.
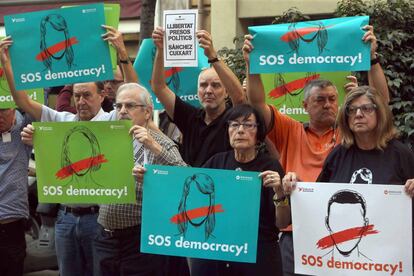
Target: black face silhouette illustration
<point x="196" y="186"/>
<point x="70" y="158"/>
<point x="353" y="205"/>
<point x="49" y="26"/>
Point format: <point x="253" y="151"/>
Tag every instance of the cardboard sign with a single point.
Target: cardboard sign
<point x="58" y="47"/>
<point x="191" y="212"/>
<point x="325" y="46"/>
<point x="352" y="229"/>
<point x="77" y="162"/>
<point x="285" y="90"/>
<point x="180" y="42"/>
<point x="181" y="80"/>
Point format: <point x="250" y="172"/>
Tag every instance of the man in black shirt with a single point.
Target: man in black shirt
<point x="204" y="130"/>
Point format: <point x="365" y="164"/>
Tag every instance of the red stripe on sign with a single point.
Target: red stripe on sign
<point x="291" y="86"/>
<point x="195" y="213"/>
<point x="80" y="166"/>
<point x="346" y="235"/>
<point x="174" y="70"/>
<point x="170" y="72"/>
<point x="56" y="48"/>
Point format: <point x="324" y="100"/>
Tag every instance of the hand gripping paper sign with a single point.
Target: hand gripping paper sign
<point x="180" y="43"/>
<point x="181" y="80"/>
<point x="58" y="47"/>
<point x="191" y="212"/>
<point x="325" y="45"/>
<point x="77" y="163"/>
<point x="350" y="229"/>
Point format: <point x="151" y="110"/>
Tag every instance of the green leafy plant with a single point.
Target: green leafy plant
<point x="392" y="21"/>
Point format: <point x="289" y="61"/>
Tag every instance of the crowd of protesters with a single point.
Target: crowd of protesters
<point x="233" y="129"/>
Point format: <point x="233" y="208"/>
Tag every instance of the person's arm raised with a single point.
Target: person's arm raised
<point x="160" y="88"/>
<point x="255" y="89"/>
<point x="376" y="77"/>
<point x="226" y="75"/>
<point x="22" y="100"/>
<point x="115" y="38"/>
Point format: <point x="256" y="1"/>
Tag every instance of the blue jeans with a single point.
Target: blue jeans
<point x="118" y="253"/>
<point x="74" y="235"/>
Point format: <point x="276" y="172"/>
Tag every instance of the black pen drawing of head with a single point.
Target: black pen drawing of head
<point x="90" y="155"/>
<point x="196" y="184"/>
<point x="55" y="23"/>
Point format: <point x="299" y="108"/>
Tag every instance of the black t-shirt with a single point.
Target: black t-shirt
<point x="263" y="162"/>
<point x="393" y="165"/>
<point x="200" y="141"/>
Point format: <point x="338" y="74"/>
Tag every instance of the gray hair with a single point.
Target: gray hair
<point x="316" y="83"/>
<point x="145" y="96"/>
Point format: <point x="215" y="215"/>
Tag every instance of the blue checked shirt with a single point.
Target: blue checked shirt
<point x="14" y="160"/>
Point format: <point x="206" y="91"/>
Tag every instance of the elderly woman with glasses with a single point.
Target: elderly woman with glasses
<point x="247" y="132"/>
<point x="369" y="151"/>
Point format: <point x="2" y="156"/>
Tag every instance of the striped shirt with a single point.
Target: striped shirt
<point x="120" y="216"/>
<point x="14" y="160"/>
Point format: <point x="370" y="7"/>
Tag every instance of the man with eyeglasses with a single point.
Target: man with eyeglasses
<point x="14" y="206"/>
<point x="76" y="224"/>
<point x="117" y="244"/>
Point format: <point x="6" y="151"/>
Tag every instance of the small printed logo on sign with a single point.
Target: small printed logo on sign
<point x="45" y="128"/>
<point x="116" y="127"/>
<point x="389" y="192"/>
<point x="161" y="172"/>
<point x="88" y="10"/>
<point x="305" y="190"/>
<point x="18" y="20"/>
<point x="244" y="178"/>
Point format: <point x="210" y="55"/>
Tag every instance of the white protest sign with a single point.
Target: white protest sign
<point x="180" y="44"/>
<point x="351" y="229"/>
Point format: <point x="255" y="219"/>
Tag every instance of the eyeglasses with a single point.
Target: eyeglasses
<point x="246" y="125"/>
<point x="128" y="106"/>
<point x="365" y="109"/>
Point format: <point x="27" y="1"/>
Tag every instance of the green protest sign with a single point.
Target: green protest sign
<point x="6" y="100"/>
<point x="285" y="91"/>
<point x="84" y="162"/>
<point x="112" y="13"/>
